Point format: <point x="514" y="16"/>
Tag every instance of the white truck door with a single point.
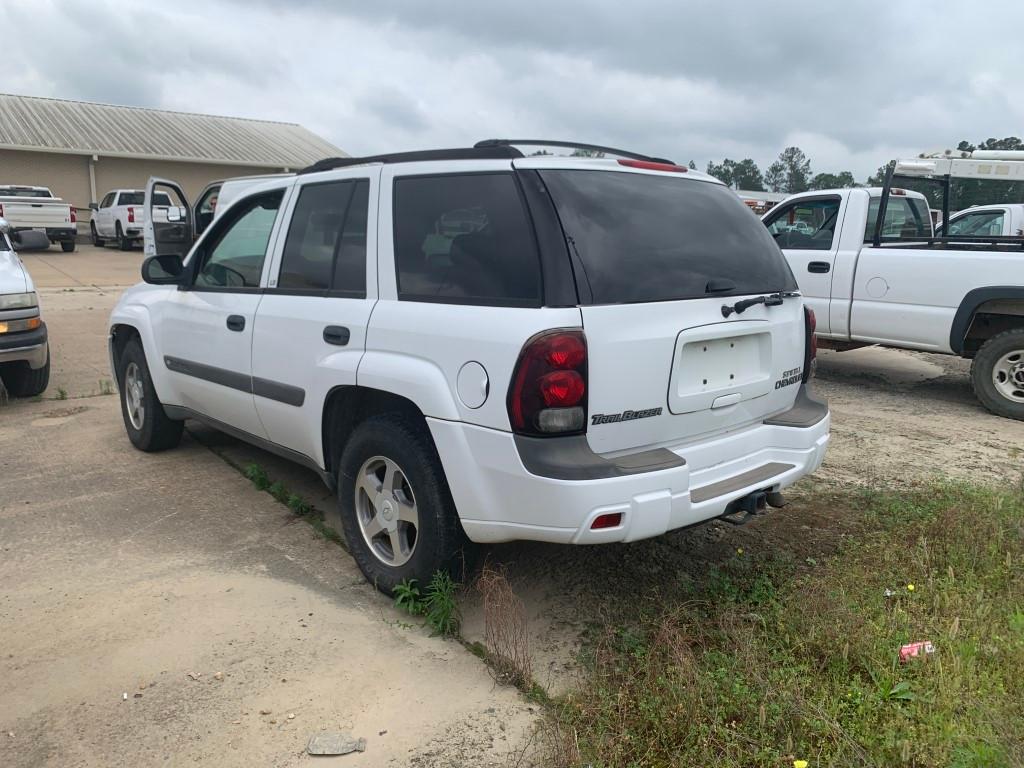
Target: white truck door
<point x="206" y="329"/>
<point x="806" y="231"/>
<point x="170" y="233"/>
<point x="311" y="325"/>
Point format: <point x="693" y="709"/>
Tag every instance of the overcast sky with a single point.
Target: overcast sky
<point x="853" y="84"/>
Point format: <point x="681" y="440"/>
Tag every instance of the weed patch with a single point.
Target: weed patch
<point x="437" y="603"/>
<point x="767" y="661"/>
<point x="258" y="476"/>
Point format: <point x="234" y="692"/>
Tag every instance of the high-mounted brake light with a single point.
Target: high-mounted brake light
<point x="650" y="165"/>
<point x="548" y="394"/>
<point x="810" y="343"/>
<point x="898" y="192"/>
<point x="131" y="215"/>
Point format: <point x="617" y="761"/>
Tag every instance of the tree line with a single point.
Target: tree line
<point x="791" y="173"/>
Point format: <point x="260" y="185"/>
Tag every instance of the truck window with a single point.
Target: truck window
<point x="465" y="239"/>
<point x="108" y="200"/>
<point x="646" y="237"/>
<point x="905" y="217"/>
<point x="326" y="244"/>
<point x="24" y="192"/>
<point x="808" y="225"/>
<point x="981" y="224"/>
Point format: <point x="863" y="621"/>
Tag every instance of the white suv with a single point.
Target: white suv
<point x="471" y="345"/>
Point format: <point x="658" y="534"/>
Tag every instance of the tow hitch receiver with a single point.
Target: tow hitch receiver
<point x="743" y="510"/>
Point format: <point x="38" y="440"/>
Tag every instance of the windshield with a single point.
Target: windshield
<point x="642" y="237"/>
<point x="24" y="192"/>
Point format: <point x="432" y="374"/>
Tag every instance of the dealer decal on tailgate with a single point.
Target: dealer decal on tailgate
<point x="792" y="376"/>
<point x="614" y="418"/>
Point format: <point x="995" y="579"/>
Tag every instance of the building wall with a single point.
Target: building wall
<point x="68" y="175"/>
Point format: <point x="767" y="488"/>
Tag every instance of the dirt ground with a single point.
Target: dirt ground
<point x="117" y="573"/>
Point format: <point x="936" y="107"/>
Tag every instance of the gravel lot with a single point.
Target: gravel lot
<point x="120" y="570"/>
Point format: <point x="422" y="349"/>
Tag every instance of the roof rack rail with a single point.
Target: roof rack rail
<point x="569" y="145"/>
<point x="495" y="152"/>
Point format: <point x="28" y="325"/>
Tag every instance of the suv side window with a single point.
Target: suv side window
<point x="325" y="250"/>
<point x="808" y="225"/>
<point x="465" y="239"/>
<point x="233" y="255"/>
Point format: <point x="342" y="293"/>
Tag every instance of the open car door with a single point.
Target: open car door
<point x="168" y="224"/>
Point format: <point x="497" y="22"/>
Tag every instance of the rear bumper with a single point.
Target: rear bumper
<point x="499" y="499"/>
<point x="30" y="346"/>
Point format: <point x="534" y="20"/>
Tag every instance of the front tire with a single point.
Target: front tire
<point x="96" y="239"/>
<point x="397" y="512"/>
<point x="148" y="426"/>
<point x="24" y="381"/>
<point x="997" y="374"/>
<point x="123" y="241"/>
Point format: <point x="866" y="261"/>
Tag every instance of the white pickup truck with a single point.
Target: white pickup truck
<point x="899" y="285"/>
<point x="24" y="348"/>
<point x="986" y="220"/>
<point x="119" y="216"/>
<point x="26" y="208"/>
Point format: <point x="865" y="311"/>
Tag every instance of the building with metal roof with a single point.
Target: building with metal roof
<point x="80" y="150"/>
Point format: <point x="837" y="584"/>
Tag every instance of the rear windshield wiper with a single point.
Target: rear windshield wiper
<point x="769" y="300"/>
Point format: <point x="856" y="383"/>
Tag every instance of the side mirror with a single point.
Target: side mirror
<point x="94" y="206"/>
<point x="173" y="214"/>
<point x="165" y="269"/>
<point x="30" y="240"/>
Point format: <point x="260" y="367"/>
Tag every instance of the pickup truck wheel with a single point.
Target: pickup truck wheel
<point x="96" y="239"/>
<point x="23" y="381"/>
<point x="124" y="243"/>
<point x="148" y="426"/>
<point x="997" y="374"/>
<point x="397" y="512"/>
<point x="68" y="246"/>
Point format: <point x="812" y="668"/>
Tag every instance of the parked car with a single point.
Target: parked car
<point x="475" y="346"/>
<point x="987" y="221"/>
<point x="901" y="286"/>
<point x="24" y="349"/>
<point x="35" y="208"/>
<point x="118" y="217"/>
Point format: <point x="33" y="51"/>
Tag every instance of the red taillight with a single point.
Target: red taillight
<point x="650" y="165"/>
<point x="74" y="216"/>
<point x="810" y="343"/>
<point x="1" y="209"/>
<point x="131" y="215"/>
<point x="548" y="394"/>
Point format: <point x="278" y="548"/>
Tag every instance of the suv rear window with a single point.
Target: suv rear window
<point x="465" y="239"/>
<point x="642" y="237"/>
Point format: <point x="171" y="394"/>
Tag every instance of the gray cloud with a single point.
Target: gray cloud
<point x="853" y="84"/>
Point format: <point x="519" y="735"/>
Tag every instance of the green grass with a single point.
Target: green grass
<point x="771" y="660"/>
<point x="437" y="603"/>
<point x="258" y="476"/>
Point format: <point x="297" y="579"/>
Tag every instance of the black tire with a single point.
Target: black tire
<point x="123" y="242"/>
<point x="440" y="543"/>
<point x="68" y="246"/>
<point x="984" y="366"/>
<point x="155" y="430"/>
<point x="23" y="381"/>
<point x="96" y="239"/>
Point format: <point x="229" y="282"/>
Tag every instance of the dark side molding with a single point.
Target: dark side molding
<point x="974" y="299"/>
<point x="272" y="390"/>
<point x="570" y="458"/>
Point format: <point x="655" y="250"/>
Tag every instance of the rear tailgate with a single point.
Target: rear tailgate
<point x="658" y="255"/>
<point x="35" y="213"/>
<point x="670" y="372"/>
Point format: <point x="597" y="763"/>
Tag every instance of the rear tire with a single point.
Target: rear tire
<point x="148" y="425"/>
<point x="123" y="242"/>
<point x="377" y="520"/>
<point x="23" y="381"/>
<point x="96" y="239"/>
<point x="68" y="246"/>
<point x="997" y="374"/>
